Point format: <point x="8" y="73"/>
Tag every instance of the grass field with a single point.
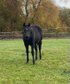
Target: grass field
<point x="54" y="67"/>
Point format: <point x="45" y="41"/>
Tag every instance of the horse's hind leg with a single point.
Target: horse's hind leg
<point x="32" y="48"/>
<point x="40" y="45"/>
<point x="36" y="51"/>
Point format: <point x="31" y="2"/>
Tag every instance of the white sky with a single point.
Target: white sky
<point x="61" y="3"/>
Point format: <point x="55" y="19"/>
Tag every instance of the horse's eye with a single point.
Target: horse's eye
<point x="26" y="29"/>
<point x="31" y="28"/>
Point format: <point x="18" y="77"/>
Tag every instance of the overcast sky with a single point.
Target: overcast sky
<point x="61" y="3"/>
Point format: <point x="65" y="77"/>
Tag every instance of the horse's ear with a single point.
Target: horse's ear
<point x="24" y="24"/>
<point x="29" y="24"/>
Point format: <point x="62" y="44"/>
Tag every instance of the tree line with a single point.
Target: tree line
<point x="13" y="13"/>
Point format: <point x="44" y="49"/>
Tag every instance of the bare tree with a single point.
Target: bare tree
<point x="28" y="5"/>
<point x="26" y="9"/>
<point x="35" y="8"/>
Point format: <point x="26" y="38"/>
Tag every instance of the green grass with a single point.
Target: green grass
<point x="54" y="67"/>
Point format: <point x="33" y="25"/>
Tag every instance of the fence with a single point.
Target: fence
<point x="10" y="35"/>
<point x="18" y="34"/>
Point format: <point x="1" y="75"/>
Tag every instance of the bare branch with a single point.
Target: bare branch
<point x="35" y="8"/>
<point x="26" y="10"/>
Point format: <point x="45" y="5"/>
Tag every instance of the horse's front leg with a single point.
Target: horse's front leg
<point x="27" y="54"/>
<point x="32" y="51"/>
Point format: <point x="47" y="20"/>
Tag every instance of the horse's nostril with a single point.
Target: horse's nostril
<point x="26" y="36"/>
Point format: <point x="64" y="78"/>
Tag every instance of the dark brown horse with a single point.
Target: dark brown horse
<point x="32" y="35"/>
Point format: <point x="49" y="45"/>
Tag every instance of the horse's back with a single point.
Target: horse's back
<point x="36" y="27"/>
<point x="37" y="30"/>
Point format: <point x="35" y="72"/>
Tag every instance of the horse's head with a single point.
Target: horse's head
<point x="26" y="30"/>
